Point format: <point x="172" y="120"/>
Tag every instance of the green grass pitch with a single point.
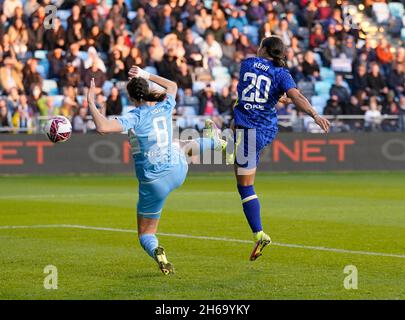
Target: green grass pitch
<point x="351" y="211"/>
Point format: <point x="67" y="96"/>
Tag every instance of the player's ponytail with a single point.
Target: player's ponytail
<point x="138" y="90"/>
<point x="275" y="49"/>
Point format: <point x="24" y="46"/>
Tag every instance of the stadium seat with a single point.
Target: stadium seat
<point x="322" y="87"/>
<point x="307" y="88"/>
<point x="131" y="15"/>
<point x="318" y="59"/>
<point x="58" y="101"/>
<point x="252" y="33"/>
<point x="83" y="55"/>
<point x="327" y="74"/>
<point x="403" y="34"/>
<point x="63" y="15"/>
<point x="80" y="100"/>
<point x="198" y="86"/>
<point x="151" y="70"/>
<point x="220" y="72"/>
<point x="219" y="84"/>
<point x="107" y="86"/>
<point x="396" y="9"/>
<point x="41" y="54"/>
<point x="381" y="12"/>
<point x="129" y="4"/>
<point x="50" y="87"/>
<point x="319" y="103"/>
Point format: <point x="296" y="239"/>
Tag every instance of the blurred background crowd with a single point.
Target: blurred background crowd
<point x="347" y="57"/>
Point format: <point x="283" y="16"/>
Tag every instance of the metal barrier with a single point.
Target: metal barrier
<point x="340" y="123"/>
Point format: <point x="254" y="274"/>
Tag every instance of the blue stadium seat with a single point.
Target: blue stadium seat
<point x="322" y="87"/>
<point x="129" y="5"/>
<point x="220" y="72"/>
<point x="131" y="15"/>
<point x="327" y="74"/>
<point x="403" y="34"/>
<point x="41" y="54"/>
<point x="50" y="87"/>
<point x="318" y="59"/>
<point x="63" y="15"/>
<point x="107" y="87"/>
<point x="396" y="9"/>
<point x="80" y="100"/>
<point x="58" y="100"/>
<point x="151" y="70"/>
<point x="252" y="33"/>
<point x="319" y="103"/>
<point x="42" y="71"/>
<point x="83" y="55"/>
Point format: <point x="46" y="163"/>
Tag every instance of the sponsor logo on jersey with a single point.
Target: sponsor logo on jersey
<point x="249" y="106"/>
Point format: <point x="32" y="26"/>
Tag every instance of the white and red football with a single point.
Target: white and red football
<point x="58" y="129"/>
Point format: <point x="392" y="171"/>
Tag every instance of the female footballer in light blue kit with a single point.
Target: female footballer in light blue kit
<point x="160" y="165"/>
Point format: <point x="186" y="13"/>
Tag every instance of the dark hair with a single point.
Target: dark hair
<point x="138" y="89"/>
<point x="275" y="49"/>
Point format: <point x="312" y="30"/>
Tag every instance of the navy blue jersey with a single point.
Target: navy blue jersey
<point x="261" y="85"/>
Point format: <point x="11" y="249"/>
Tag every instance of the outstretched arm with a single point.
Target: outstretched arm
<point x="303" y="104"/>
<point x="170" y="86"/>
<point x="103" y="125"/>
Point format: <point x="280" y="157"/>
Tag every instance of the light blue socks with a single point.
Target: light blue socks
<point x="149" y="243"/>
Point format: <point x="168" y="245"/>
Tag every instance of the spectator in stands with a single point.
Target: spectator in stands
<point x="211" y="51"/>
<point x="360" y="80"/>
<point x="30" y="7"/>
<point x="202" y="21"/>
<point x="19" y="37"/>
<point x="55" y="37"/>
<point x="22" y="117"/>
<point x="79" y="122"/>
<point x="384" y="55"/>
<point x="245" y="46"/>
<point x="168" y="67"/>
<point x="340" y="90"/>
<point x="141" y="18"/>
<point x="228" y="49"/>
<point x="134" y="58"/>
<point x="165" y="22"/>
<point x="56" y="63"/>
<point x="255" y="12"/>
<point x="310" y="67"/>
<point x="330" y="51"/>
<point x="217" y="30"/>
<point x="184" y="80"/>
<point x="152" y="10"/>
<point x="114" y="104"/>
<point x="143" y="36"/>
<point x="30" y="74"/>
<point x="13" y="99"/>
<point x="97" y="74"/>
<point x="11" y="75"/>
<point x="284" y="32"/>
<point x="349" y="48"/>
<point x="36" y="36"/>
<point x="317" y="37"/>
<point x="117" y="68"/>
<point x="225" y="102"/>
<point x="396" y="80"/>
<point x="5" y="117"/>
<point x="9" y="7"/>
<point x="70" y="76"/>
<point x="376" y="82"/>
<point x="76" y="35"/>
<point x="372" y="117"/>
<point x="333" y="106"/>
<point x="237" y="20"/>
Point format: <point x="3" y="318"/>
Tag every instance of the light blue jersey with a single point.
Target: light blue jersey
<point x="160" y="166"/>
<point x="150" y="135"/>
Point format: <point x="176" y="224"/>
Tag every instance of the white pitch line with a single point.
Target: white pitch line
<point x="187" y="236"/>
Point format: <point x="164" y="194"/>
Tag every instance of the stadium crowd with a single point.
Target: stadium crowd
<point x="337" y="64"/>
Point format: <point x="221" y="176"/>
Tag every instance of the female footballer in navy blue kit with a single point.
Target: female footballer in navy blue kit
<point x="263" y="81"/>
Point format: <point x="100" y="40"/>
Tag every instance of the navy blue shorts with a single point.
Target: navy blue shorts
<point x="249" y="143"/>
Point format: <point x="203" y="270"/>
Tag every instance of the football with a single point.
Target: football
<point x="58" y="129"/>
